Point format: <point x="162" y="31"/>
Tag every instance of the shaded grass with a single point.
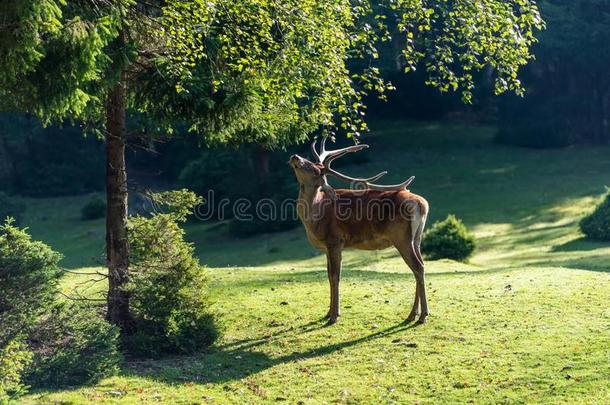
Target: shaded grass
<point x="526" y="321"/>
<point x="57" y="222"/>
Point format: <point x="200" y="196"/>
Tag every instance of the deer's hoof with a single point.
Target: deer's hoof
<point x="411" y="317"/>
<point x="332" y="320"/>
<point x="422" y="318"/>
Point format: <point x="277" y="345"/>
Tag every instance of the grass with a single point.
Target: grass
<point x="527" y="320"/>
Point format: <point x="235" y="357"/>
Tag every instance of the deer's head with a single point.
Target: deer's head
<point x="313" y="174"/>
<point x="307" y="172"/>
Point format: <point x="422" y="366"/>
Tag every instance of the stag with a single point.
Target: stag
<point x="369" y="216"/>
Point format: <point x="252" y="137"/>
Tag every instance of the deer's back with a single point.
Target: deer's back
<point x="367" y="219"/>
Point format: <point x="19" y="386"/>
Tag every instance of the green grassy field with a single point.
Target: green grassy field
<point x="526" y="321"/>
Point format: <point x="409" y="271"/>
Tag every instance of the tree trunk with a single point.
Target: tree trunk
<point x="117" y="248"/>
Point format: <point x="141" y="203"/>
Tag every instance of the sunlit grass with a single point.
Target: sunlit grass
<point x="527" y="320"/>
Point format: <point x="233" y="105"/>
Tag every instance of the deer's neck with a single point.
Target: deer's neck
<point x="310" y="207"/>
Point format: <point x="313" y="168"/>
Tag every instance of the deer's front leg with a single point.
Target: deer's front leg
<point x="330" y="283"/>
<point x="333" y="261"/>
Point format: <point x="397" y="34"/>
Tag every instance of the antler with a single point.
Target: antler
<point x="326" y="157"/>
<point x="368" y="184"/>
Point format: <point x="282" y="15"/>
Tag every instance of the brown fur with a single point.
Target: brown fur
<point x="361" y="219"/>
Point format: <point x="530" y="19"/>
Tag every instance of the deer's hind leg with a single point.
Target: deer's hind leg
<point x="417" y="239"/>
<point x="417" y="247"/>
<point x="409" y="254"/>
<point x="417" y="250"/>
<point x="415" y="309"/>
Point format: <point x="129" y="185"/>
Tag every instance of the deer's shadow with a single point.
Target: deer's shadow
<point x="239" y="359"/>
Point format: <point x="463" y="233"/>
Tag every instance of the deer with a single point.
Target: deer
<point x="368" y="216"/>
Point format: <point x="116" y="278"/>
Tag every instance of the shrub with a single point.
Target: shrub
<point x="448" y="239"/>
<point x="168" y="286"/>
<point x="67" y="344"/>
<point x="94" y="209"/>
<point x="14" y="358"/>
<point x="10" y="207"/>
<point x="596" y="225"/>
<point x="73" y="345"/>
<point x="28" y="281"/>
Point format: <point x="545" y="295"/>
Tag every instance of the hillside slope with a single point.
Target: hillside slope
<point x="527" y="320"/>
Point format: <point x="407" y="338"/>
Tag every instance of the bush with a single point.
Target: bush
<point x="94" y="209"/>
<point x="14" y="358"/>
<point x="73" y="345"/>
<point x="29" y="274"/>
<point x="448" y="239"/>
<point x="28" y="280"/>
<point x="10" y="207"/>
<point x="596" y="225"/>
<point x="168" y="286"/>
<point x="67" y="344"/>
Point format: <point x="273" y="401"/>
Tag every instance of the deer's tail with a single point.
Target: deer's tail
<point x="418" y="220"/>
